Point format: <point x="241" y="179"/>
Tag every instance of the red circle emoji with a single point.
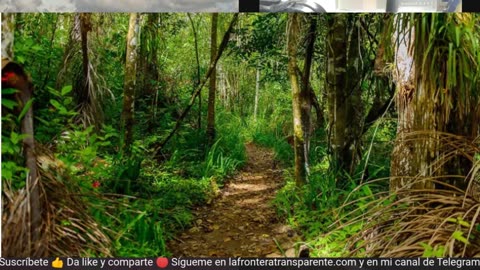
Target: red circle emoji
<point x="162" y="262"/>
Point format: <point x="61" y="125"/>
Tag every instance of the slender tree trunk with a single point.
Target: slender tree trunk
<point x="257" y="93"/>
<point x="78" y="66"/>
<point x="87" y="94"/>
<point x="21" y="81"/>
<point x="307" y="93"/>
<point x="298" y="128"/>
<point x="197" y="79"/>
<point x="152" y="67"/>
<point x="213" y="83"/>
<point x="129" y="86"/>
<point x="335" y="80"/>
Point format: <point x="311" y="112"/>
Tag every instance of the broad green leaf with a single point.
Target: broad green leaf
<point x="66" y="89"/>
<point x="57" y="105"/>
<point x="10" y="104"/>
<point x="53" y="91"/>
<point x="9" y="91"/>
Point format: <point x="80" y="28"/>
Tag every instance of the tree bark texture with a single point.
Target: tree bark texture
<point x="434" y="103"/>
<point x="257" y="92"/>
<point x="14" y="76"/>
<point x="21" y="81"/>
<point x="213" y="83"/>
<point x="345" y="108"/>
<point x="297" y="100"/>
<point x="129" y="86"/>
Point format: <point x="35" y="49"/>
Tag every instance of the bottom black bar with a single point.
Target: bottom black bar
<point x="471" y="6"/>
<point x="249" y="5"/>
<point x="162" y="263"/>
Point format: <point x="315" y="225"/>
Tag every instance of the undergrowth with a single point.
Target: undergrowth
<point x="320" y="207"/>
<point x="138" y="202"/>
<point x="313" y="208"/>
<point x="366" y="219"/>
<point x="166" y="192"/>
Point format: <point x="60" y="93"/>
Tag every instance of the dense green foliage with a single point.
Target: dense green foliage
<point x="143" y="198"/>
<point x="155" y="198"/>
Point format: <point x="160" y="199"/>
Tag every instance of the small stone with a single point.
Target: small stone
<point x="290" y="253"/>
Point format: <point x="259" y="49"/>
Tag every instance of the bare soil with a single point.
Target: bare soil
<point x="242" y="222"/>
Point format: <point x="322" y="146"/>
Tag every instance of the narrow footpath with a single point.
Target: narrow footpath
<point x="242" y="222"/>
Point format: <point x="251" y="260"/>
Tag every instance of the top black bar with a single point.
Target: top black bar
<point x="248" y="5"/>
<point x="471" y="6"/>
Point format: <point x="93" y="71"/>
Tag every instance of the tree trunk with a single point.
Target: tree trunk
<point x="345" y="109"/>
<point x="13" y="76"/>
<point x="147" y="68"/>
<point x="197" y="79"/>
<point x="213" y="83"/>
<point x="8" y="28"/>
<point x="407" y="161"/>
<point x="86" y="92"/>
<point x="432" y="102"/>
<point x="78" y="67"/>
<point x="257" y="93"/>
<point x="129" y="86"/>
<point x="297" y="101"/>
<point x="307" y="93"/>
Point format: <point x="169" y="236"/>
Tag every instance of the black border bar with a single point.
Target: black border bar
<point x="248" y="5"/>
<point x="471" y="6"/>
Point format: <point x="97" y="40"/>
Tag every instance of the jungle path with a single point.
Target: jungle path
<point x="242" y="222"/>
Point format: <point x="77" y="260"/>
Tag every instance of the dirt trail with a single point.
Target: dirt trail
<point x="242" y="222"/>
